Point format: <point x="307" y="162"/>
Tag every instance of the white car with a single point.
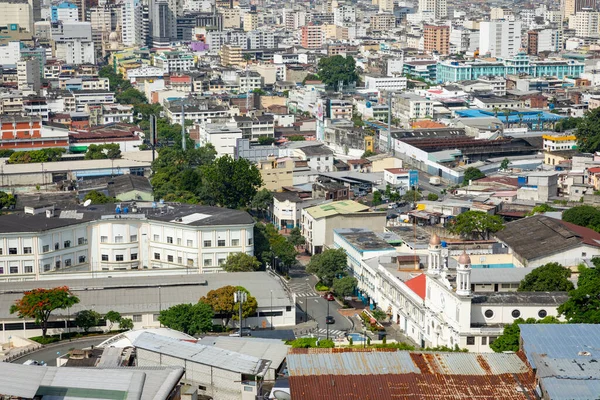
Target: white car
<point x="34" y="362"/>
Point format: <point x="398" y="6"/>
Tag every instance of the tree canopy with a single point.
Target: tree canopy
<point x="551" y="277"/>
<point x="241" y="262"/>
<point x="344" y="286"/>
<point x="476" y="224"/>
<point x="377" y="198"/>
<point x="588" y="216"/>
<point x="98" y="197"/>
<point x="566" y="124"/>
<point x="296" y="238"/>
<point x="7" y="200"/>
<point x="36" y="156"/>
<point x="262" y="200"/>
<point x="583" y="305"/>
<point x="411" y="196"/>
<point x="86" y="319"/>
<point x="222" y="303"/>
<point x="188" y="318"/>
<point x="588" y="132"/>
<point x="38" y="304"/>
<point x="334" y="69"/>
<point x="108" y="151"/>
<point x="131" y="96"/>
<point x="270" y="246"/>
<point x="328" y="265"/>
<point x="230" y="183"/>
<point x="126" y="323"/>
<point x="116" y="81"/>
<point x="472" y="174"/>
<point x="113" y="317"/>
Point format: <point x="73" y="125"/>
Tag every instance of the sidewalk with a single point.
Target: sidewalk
<point x="305" y="328"/>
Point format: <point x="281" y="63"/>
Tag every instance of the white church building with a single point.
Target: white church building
<point x="434" y="300"/>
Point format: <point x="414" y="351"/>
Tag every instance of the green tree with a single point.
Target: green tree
<point x="36" y="156"/>
<point x="86" y="319"/>
<point x="310" y="77"/>
<point x="509" y="340"/>
<point x="241" y="262"/>
<point x="583" y="304"/>
<point x="566" y="124"/>
<point x="108" y="151"/>
<point x="131" y="96"/>
<point x="222" y="302"/>
<point x="344" y="286"/>
<point x="377" y="200"/>
<point x="588" y="216"/>
<point x="262" y="248"/>
<point x="6" y="153"/>
<point x="283" y="250"/>
<point x="504" y="164"/>
<point x="188" y="318"/>
<point x="551" y="277"/>
<point x="296" y="238"/>
<point x="541" y="209"/>
<point x="368" y="153"/>
<point x="262" y="201"/>
<point x="334" y="69"/>
<point x="98" y="197"/>
<point x="432" y="197"/>
<point x="266" y="140"/>
<point x="472" y="174"/>
<point x="230" y="183"/>
<point x="305" y="343"/>
<point x="7" y="200"/>
<point x="328" y="265"/>
<point x="476" y="224"/>
<point x="116" y="81"/>
<point x="588" y="132"/>
<point x="126" y="324"/>
<point x="296" y="138"/>
<point x="412" y="196"/>
<point x="113" y="317"/>
<point x="38" y="304"/>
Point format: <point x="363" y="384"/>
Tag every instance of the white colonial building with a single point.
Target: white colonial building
<point x="105" y="240"/>
<point x="433" y="299"/>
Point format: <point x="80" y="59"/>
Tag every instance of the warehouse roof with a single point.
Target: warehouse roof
<point x="201" y="354"/>
<point x="499" y="275"/>
<point x="273" y="350"/>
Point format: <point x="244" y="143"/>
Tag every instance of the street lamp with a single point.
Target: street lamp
<point x="240" y="297"/>
<point x="326" y="320"/>
<point x="159" y="305"/>
<point x="271" y="309"/>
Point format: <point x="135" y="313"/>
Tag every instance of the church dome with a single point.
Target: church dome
<point x="464" y="259"/>
<point x="435" y="240"/>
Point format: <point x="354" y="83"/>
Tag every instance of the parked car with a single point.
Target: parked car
<point x="328" y="296"/>
<point x="329" y="320"/>
<point x="34" y="362"/>
<point x="245" y="332"/>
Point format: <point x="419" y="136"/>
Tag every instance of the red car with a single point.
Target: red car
<point x="328" y="296"/>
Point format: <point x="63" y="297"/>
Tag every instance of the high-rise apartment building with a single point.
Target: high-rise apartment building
<point x="311" y="36"/>
<point x="586" y="23"/>
<point x="571" y="7"/>
<point x="28" y="74"/>
<point x="439" y="8"/>
<point x="162" y="20"/>
<point x="386" y="6"/>
<point x="250" y="21"/>
<point x="436" y="39"/>
<point x="131" y="23"/>
<point x="500" y="38"/>
<point x="17" y="12"/>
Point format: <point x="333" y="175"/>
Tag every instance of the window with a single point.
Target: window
<point x="155" y="317"/>
<point x="57" y="264"/>
<point x="470" y="340"/>
<point x="12" y="250"/>
<point x="542" y="313"/>
<point x="221" y="243"/>
<point x="104" y="257"/>
<point x="235" y="242"/>
<point x="156" y="238"/>
<point x="67" y="244"/>
<point x="46" y="268"/>
<point x="0" y="251"/>
<point x="583" y="254"/>
<point x="119" y="257"/>
<point x="515" y="313"/>
<point x="26" y="250"/>
<point x="137" y="318"/>
<point x="178" y="241"/>
<point x="493" y="339"/>
<point x="133" y="256"/>
<point x="68" y="262"/>
<point x="179" y="260"/>
<point x="207" y="262"/>
<point x="190" y="262"/>
<point x="170" y="258"/>
<point x="169" y="239"/>
<point x="103" y="239"/>
<point x="14" y="270"/>
<point x="488" y="313"/>
<point x="250" y="241"/>
<point x="81" y="259"/>
<point x="119" y="239"/>
<point x="207" y="243"/>
<point x="133" y="238"/>
<point x="190" y="243"/>
<point x="220" y="261"/>
<point x="28" y="269"/>
<point x="157" y="256"/>
<point x="80" y="241"/>
<point x="484" y="340"/>
<point x="45" y="248"/>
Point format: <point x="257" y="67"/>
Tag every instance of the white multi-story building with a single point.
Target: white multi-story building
<point x="112" y="113"/>
<point x="344" y="15"/>
<point x="410" y="107"/>
<point x="91" y="97"/>
<point x="586" y="23"/>
<point x="500" y="38"/>
<point x="44" y="243"/>
<point x="174" y="61"/>
<point x="197" y="113"/>
<point x="260" y="40"/>
<point x="395" y="83"/>
<point x="222" y="137"/>
<point x="73" y="41"/>
<point x="28" y="74"/>
<point x="438" y="8"/>
<point x="17" y="12"/>
<point x="131" y="23"/>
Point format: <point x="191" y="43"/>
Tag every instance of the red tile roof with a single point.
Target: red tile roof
<point x="594" y="170"/>
<point x="418" y="285"/>
<point x="587" y="235"/>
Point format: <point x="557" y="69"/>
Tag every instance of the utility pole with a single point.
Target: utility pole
<point x="240" y="297"/>
<point x="153" y="134"/>
<point x="183" y="125"/>
<point x="389" y="123"/>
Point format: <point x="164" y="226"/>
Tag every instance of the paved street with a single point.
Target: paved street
<point x="310" y="304"/>
<point x="49" y="354"/>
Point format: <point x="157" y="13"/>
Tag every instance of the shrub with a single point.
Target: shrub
<point x="45" y="340"/>
<point x="350" y="341"/>
<point x="320" y="287"/>
<point x="368" y="341"/>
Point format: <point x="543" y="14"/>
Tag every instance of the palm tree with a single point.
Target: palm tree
<point x="496" y="109"/>
<point x="520" y="115"/>
<point x="506" y="112"/>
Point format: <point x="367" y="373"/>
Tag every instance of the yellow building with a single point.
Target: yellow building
<point x="559" y="142"/>
<point x="231" y="55"/>
<point x="250" y="21"/>
<point x="276" y="173"/>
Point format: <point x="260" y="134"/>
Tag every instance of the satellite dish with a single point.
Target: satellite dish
<point x="281" y="395"/>
<point x="87" y="203"/>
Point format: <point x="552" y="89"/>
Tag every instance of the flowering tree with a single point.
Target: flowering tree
<point x="38" y="304"/>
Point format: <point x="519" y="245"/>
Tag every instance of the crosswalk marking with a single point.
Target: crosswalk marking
<point x="307" y="294"/>
<point x="332" y="332"/>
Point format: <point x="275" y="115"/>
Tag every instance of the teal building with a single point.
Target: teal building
<point x="456" y="71"/>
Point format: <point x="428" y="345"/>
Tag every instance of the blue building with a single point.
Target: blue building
<point x="456" y="71"/>
<point x="424" y="69"/>
<point x="64" y="7"/>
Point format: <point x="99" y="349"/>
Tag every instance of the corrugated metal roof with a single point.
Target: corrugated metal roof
<point x="413" y="386"/>
<point x="561" y="340"/>
<point x="20" y="380"/>
<point x="565" y="389"/>
<point x="273" y="350"/>
<point x="206" y="355"/>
